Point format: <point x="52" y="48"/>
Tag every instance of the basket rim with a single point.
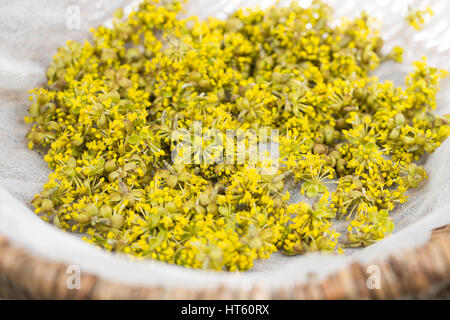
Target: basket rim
<point x="410" y="273"/>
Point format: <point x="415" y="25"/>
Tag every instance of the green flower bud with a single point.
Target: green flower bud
<point x="171" y="207"/>
<point x="408" y="140"/>
<point x="255" y="243"/>
<point x="101" y="122"/>
<point x="215" y="254"/>
<point x="83" y="218"/>
<point x="113" y="176"/>
<point x="399" y="119"/>
<point x="211" y="208"/>
<point x="298" y="248"/>
<point x="34" y="110"/>
<point x="277" y="203"/>
<point x="57" y="222"/>
<point x="323" y="244"/>
<point x="53" y="126"/>
<point x="341" y="124"/>
<point x="421" y="140"/>
<point x="320" y="148"/>
<point x="42" y="99"/>
<point x="335" y="154"/>
<point x="47" y="205"/>
<point x="195" y="76"/>
<point x="129" y="197"/>
<point x="110" y="166"/>
<point x="358" y="184"/>
<point x="204" y="84"/>
<point x="77" y="141"/>
<point x="91" y="210"/>
<point x="106" y="211"/>
<point x="38" y="137"/>
<point x="330" y="161"/>
<point x="200" y="209"/>
<point x="429" y="147"/>
<point x="395" y="134"/>
<point x="204" y="199"/>
<point x="116" y="221"/>
<point x="329" y="134"/>
<point x="184" y="176"/>
<point x="172" y="181"/>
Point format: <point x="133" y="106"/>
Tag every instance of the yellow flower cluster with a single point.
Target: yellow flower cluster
<point x="310" y="229"/>
<point x="416" y="17"/>
<point x="106" y="119"/>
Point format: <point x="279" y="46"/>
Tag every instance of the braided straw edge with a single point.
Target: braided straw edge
<point x="409" y="274"/>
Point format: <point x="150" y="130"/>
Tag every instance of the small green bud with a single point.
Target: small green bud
<point x="277" y="77"/>
<point x="221" y="96"/>
<point x="204" y="199"/>
<point x="215" y="254"/>
<point x="42" y="99"/>
<point x="38" y="137"/>
<point x="171" y="207"/>
<point x="129" y="127"/>
<point x="211" y="208"/>
<point x="116" y="221"/>
<point x="399" y="119"/>
<point x="323" y="244"/>
<point x="277" y="203"/>
<point x="330" y="161"/>
<point x="341" y="162"/>
<point x="298" y="248"/>
<point x="335" y="154"/>
<point x="421" y="140"/>
<point x="113" y="176"/>
<point x="439" y="122"/>
<point x="172" y="181"/>
<point x="395" y="134"/>
<point x="47" y="205"/>
<point x="341" y="124"/>
<point x="255" y="243"/>
<point x="130" y="198"/>
<point x="57" y="222"/>
<point x="429" y="148"/>
<point x="200" y="209"/>
<point x="101" y="122"/>
<point x="320" y="148"/>
<point x="77" y="141"/>
<point x="184" y="176"/>
<point x="91" y="210"/>
<point x="53" y="126"/>
<point x="83" y="218"/>
<point x="195" y="76"/>
<point x="106" y="211"/>
<point x="408" y="140"/>
<point x="110" y="166"/>
<point x="204" y="84"/>
<point x="34" y="110"/>
<point x="329" y="134"/>
<point x="358" y="184"/>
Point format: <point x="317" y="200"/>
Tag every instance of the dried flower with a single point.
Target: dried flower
<point x="107" y="116"/>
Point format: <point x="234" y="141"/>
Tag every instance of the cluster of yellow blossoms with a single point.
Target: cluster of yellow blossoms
<point x="416" y="17"/>
<point x="106" y="118"/>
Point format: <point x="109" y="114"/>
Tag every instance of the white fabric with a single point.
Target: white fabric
<point x="31" y="31"/>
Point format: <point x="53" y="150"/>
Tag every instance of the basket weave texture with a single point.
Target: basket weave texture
<point x="418" y="273"/>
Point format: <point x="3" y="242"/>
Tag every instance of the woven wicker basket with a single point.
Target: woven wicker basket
<point x="420" y="273"/>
